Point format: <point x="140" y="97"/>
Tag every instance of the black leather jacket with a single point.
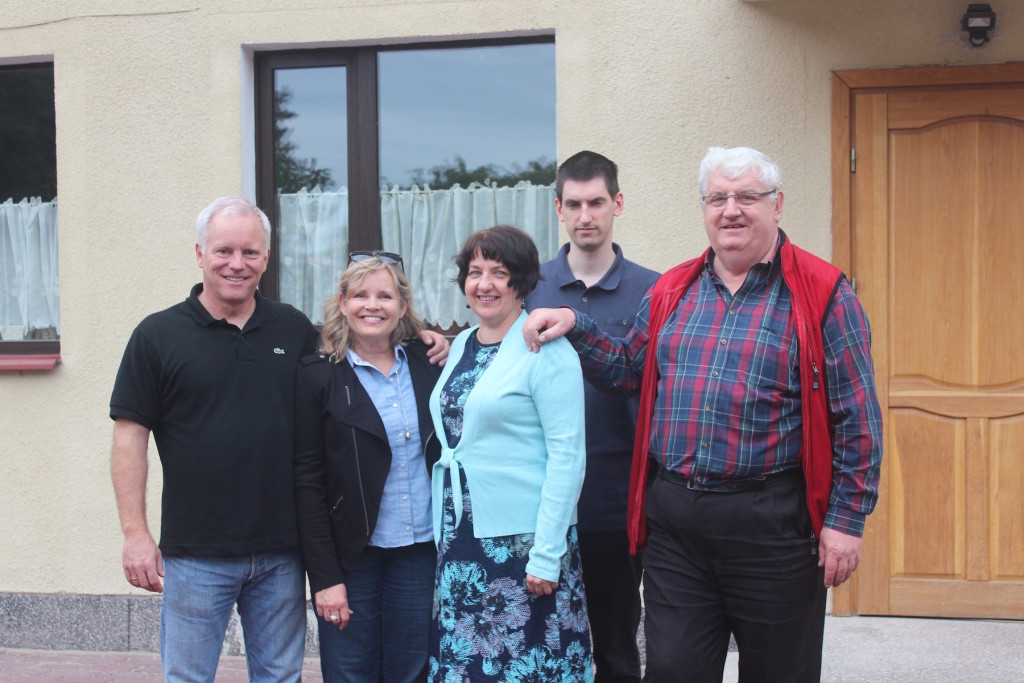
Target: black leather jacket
<point x="342" y="460"/>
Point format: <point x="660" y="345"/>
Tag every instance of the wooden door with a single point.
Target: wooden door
<point x="936" y="244"/>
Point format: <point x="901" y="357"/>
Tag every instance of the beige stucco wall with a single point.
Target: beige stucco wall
<point x="154" y="118"/>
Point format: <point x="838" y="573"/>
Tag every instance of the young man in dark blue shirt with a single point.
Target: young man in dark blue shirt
<point x="590" y="274"/>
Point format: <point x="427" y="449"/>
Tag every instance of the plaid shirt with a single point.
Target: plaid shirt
<point x="728" y="399"/>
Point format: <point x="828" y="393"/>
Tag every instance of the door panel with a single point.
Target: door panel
<point x="929" y="493"/>
<point x="936" y="216"/>
<point x="1008" y="484"/>
<point x="920" y="108"/>
<point x="930" y="252"/>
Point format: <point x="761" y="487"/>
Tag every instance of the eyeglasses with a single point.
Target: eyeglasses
<point x="385" y="256"/>
<point x="742" y="198"/>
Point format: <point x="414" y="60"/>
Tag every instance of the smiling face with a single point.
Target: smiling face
<point x="235" y="258"/>
<point x="741" y="235"/>
<point x="588" y="212"/>
<point x="489" y="294"/>
<point x="373" y="308"/>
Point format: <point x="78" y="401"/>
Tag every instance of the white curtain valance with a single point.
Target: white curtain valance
<point x="425" y="226"/>
<point x="29" y="277"/>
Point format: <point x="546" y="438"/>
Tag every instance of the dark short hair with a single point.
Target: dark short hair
<point x="584" y="166"/>
<point x="505" y="244"/>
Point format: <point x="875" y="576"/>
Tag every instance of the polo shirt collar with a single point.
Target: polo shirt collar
<point x="263" y="313"/>
<point x="563" y="274"/>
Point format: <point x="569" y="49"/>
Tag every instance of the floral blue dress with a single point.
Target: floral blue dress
<point x="487" y="626"/>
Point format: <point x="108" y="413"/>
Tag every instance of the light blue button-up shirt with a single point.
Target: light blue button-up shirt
<point x="404" y="517"/>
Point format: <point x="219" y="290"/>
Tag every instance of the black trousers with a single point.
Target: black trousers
<point x="611" y="577"/>
<point x="742" y="562"/>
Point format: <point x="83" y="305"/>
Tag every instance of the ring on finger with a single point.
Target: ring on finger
<point x="334" y="617"/>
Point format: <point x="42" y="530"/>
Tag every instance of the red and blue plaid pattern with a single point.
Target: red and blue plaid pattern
<point x="728" y="399"/>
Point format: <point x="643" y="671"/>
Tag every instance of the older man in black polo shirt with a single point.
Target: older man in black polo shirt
<point x="213" y="379"/>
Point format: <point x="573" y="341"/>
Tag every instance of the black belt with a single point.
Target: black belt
<point x="730" y="485"/>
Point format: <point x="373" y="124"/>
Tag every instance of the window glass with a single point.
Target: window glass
<point x="442" y="142"/>
<point x="29" y="278"/>
<point x="467" y="141"/>
<point x="311" y="179"/>
<point x="310" y="129"/>
<point x="463" y="115"/>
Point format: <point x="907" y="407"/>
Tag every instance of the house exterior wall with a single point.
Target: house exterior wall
<point x="154" y="118"/>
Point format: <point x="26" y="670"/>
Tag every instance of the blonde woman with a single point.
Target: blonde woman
<point x="364" y="446"/>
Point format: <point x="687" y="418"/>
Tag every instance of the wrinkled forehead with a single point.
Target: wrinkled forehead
<point x="236" y="226"/>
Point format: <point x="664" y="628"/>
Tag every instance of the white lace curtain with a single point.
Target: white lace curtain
<point x="29" y="278"/>
<point x="426" y="227"/>
<point x="312" y="247"/>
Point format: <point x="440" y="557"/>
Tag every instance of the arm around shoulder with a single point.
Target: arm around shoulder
<point x="437" y="345"/>
<point x="546" y="324"/>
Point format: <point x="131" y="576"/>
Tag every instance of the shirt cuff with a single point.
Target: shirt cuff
<point x="542" y="569"/>
<point x="578" y="329"/>
<point x="846" y="521"/>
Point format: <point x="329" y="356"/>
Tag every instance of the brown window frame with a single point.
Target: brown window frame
<point x="29" y="354"/>
<point x="363" y="132"/>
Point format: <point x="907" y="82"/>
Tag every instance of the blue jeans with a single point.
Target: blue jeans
<point x="391" y="594"/>
<point x="199" y="594"/>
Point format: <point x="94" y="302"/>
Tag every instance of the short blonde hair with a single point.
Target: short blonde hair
<point x="229" y="206"/>
<point x="335" y="336"/>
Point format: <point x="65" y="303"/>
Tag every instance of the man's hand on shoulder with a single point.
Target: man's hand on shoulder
<point x="545" y="324"/>
<point x="437" y="354"/>
<point x="142" y="561"/>
<point x="839" y="554"/>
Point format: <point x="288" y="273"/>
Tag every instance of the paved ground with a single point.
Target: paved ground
<point x="36" y="666"/>
<point x="875" y="649"/>
<point x="857" y="649"/>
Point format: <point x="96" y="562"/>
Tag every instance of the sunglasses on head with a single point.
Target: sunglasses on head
<point x="385" y="256"/>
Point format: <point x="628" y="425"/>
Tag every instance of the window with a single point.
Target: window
<point x="406" y="149"/>
<point x="29" y="282"/>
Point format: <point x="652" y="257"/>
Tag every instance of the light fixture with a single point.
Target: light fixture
<point x="979" y="21"/>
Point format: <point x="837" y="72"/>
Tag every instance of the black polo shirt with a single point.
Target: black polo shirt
<point x="219" y="402"/>
<point x="611" y="420"/>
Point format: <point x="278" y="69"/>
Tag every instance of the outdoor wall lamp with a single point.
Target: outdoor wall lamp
<point x="979" y="21"/>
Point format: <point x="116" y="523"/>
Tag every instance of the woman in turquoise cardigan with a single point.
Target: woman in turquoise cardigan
<point x="509" y="588"/>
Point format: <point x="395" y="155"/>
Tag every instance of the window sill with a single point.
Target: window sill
<point x="42" y="361"/>
<point x="18" y="356"/>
